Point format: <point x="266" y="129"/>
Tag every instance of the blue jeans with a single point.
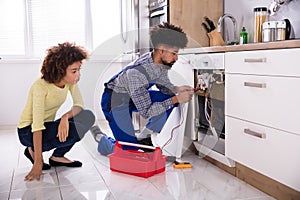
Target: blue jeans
<point x="118" y="109"/>
<point x="78" y="126"/>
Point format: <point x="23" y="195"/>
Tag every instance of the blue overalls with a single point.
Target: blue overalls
<point x="118" y="109"/>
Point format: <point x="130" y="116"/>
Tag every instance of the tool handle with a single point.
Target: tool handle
<point x="206" y="27"/>
<point x="136" y="145"/>
<point x="210" y="23"/>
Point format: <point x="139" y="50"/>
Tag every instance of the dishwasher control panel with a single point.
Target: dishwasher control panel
<point x="208" y="61"/>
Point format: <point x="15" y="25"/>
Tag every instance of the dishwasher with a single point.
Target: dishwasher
<point x="209" y="106"/>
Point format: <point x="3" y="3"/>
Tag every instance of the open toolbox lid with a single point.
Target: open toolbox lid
<point x="133" y="162"/>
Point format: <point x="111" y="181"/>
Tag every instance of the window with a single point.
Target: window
<point x="12" y="27"/>
<point x="29" y="27"/>
<point x="55" y="21"/>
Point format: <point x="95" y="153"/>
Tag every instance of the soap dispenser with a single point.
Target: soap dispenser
<point x="243" y="36"/>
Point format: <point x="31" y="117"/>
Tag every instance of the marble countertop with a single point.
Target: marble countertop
<point x="245" y="47"/>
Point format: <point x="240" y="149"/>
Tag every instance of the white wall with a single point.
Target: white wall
<point x="242" y="10"/>
<point x="17" y="77"/>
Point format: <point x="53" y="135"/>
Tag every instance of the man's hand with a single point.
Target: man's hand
<point x="36" y="171"/>
<point x="184" y="97"/>
<point x="184" y="88"/>
<point x="63" y="129"/>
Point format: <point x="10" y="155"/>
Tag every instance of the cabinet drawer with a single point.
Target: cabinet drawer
<point x="269" y="151"/>
<point x="271" y="101"/>
<point x="283" y="62"/>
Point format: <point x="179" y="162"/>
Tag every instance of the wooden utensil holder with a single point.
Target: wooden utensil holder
<point x="215" y="38"/>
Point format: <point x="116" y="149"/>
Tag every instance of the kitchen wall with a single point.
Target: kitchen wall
<point x="18" y="75"/>
<point x="242" y="10"/>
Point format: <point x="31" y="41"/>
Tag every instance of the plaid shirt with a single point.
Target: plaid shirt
<point x="136" y="84"/>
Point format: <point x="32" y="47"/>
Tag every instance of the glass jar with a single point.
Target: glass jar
<point x="261" y="15"/>
<point x="281" y="30"/>
<point x="269" y="31"/>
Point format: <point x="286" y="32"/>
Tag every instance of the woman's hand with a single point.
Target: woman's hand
<point x="63" y="128"/>
<point x="36" y="171"/>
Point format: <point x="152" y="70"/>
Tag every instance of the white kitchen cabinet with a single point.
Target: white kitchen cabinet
<point x="269" y="151"/>
<point x="280" y="62"/>
<point x="261" y="107"/>
<point x="268" y="100"/>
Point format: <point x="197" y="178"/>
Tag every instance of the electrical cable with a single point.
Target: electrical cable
<point x="176" y="127"/>
<point x="207" y="105"/>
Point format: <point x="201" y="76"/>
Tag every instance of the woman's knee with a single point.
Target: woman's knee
<point x="87" y="117"/>
<point x="25" y="136"/>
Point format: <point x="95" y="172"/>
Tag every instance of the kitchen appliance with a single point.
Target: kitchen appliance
<point x="276" y="30"/>
<point x="134" y="27"/>
<point x="158" y="11"/>
<point x="209" y="109"/>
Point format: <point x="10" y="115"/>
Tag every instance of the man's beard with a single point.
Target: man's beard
<point x="168" y="65"/>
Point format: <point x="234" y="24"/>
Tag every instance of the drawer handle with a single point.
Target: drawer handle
<point x="257" y="85"/>
<point x="253" y="133"/>
<point x="255" y="60"/>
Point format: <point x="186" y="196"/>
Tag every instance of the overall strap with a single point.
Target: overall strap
<point x="140" y="68"/>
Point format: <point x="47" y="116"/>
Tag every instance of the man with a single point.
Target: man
<point x="129" y="91"/>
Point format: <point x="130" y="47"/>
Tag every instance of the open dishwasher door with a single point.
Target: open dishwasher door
<point x="209" y="100"/>
<point x="175" y="137"/>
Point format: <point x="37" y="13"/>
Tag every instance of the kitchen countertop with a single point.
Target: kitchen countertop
<point x="245" y="47"/>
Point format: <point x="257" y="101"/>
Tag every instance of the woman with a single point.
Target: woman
<point x="37" y="128"/>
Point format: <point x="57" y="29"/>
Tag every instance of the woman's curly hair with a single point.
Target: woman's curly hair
<point x="58" y="58"/>
<point x="168" y="34"/>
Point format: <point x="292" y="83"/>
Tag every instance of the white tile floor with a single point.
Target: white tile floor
<point x="94" y="180"/>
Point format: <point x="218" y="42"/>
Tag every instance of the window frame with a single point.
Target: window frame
<point x="28" y="33"/>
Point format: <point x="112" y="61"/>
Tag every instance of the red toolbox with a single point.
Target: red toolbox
<point x="143" y="164"/>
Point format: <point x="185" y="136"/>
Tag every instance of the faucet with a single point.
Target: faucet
<point x="234" y="26"/>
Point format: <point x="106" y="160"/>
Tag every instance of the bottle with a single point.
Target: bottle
<point x="261" y="15"/>
<point x="244" y="36"/>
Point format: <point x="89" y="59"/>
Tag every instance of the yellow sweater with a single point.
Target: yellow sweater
<point x="43" y="101"/>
